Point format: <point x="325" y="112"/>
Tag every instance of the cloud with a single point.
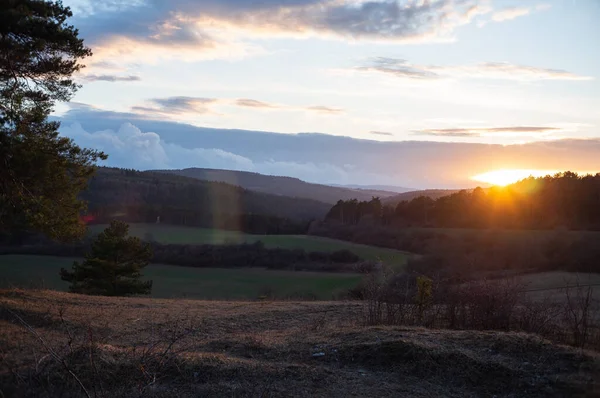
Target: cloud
<point x="210" y="29"/>
<point x="384" y="133"/>
<point x="478" y="132"/>
<point x="182" y="105"/>
<point x="324" y="109"/>
<point x="151" y="144"/>
<point x="177" y="105"/>
<point x="401" y="68"/>
<point x="129" y="147"/>
<point x="509" y="14"/>
<point x="505" y="70"/>
<point x="111" y="78"/>
<point x="251" y="103"/>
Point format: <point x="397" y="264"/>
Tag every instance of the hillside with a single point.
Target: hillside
<point x="389" y="188"/>
<point x="408" y="196"/>
<point x="144" y="196"/>
<point x="179" y="348"/>
<point x="276" y="185"/>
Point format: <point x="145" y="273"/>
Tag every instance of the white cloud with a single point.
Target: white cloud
<point x="131" y="148"/>
<point x="509" y="14"/>
<point x="508" y="71"/>
<point x="402" y="69"/>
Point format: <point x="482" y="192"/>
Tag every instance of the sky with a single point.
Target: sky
<point x="423" y="93"/>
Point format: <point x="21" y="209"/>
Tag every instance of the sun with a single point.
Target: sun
<point x="504" y="177"/>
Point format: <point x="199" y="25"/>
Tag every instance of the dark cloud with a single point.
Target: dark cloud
<point x="381" y="133"/>
<point x="320" y="157"/>
<point x="177" y="105"/>
<point x="185" y="23"/>
<point x="477" y="132"/>
<point x="111" y="78"/>
<point x="388" y="19"/>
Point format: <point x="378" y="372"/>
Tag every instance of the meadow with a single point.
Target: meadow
<point x="194" y="236"/>
<point x="198" y="283"/>
<point x="68" y="345"/>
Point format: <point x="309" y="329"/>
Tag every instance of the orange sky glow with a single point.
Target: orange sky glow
<point x="504" y="177"/>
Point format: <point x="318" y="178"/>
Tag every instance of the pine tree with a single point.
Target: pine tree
<point x="41" y="173"/>
<point x="113" y="268"/>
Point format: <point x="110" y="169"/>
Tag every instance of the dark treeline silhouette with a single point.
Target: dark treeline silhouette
<point x="563" y="200"/>
<point x="150" y="197"/>
<point x="216" y="256"/>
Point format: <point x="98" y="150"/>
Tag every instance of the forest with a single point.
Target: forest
<point x="537" y="224"/>
<point x="149" y="197"/>
<point x="565" y="200"/>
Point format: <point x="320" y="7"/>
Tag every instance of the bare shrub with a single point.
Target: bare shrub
<point x="380" y="302"/>
<point x="498" y="304"/>
<point x="79" y="364"/>
<point x="492" y="304"/>
<point x="579" y="311"/>
<point x="541" y="317"/>
<point x="373" y="286"/>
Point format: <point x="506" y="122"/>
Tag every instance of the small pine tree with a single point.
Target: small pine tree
<point x="113" y="266"/>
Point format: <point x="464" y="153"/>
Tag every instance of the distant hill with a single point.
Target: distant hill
<point x="408" y="196"/>
<point x="136" y="196"/>
<point x="386" y="188"/>
<point x="276" y="185"/>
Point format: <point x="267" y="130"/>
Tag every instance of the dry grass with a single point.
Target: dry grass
<point x="172" y="348"/>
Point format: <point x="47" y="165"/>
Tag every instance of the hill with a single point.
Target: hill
<point x="408" y="196"/>
<point x="277" y="185"/>
<point x="132" y="347"/>
<point x="144" y="196"/>
<point x="388" y="188"/>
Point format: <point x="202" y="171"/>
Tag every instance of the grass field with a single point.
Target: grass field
<point x="198" y="283"/>
<point x="188" y="235"/>
<point x="138" y="347"/>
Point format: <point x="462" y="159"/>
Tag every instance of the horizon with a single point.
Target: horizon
<point x="441" y="75"/>
<point x="161" y="234"/>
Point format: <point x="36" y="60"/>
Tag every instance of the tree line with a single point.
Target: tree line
<point x="242" y="255"/>
<point x="564" y="200"/>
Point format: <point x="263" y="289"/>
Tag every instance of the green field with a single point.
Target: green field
<point x="188" y="235"/>
<point x="199" y="283"/>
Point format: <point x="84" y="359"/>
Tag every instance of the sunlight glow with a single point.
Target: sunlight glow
<point x="504" y="177"/>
